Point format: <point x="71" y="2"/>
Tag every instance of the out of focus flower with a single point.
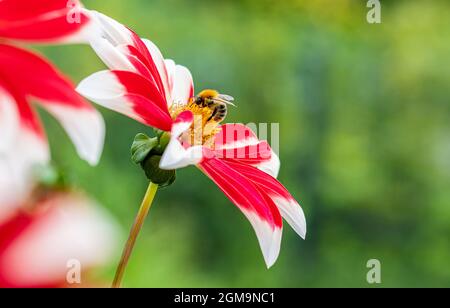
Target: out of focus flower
<point x="46" y="21"/>
<point x="143" y="85"/>
<point x="46" y="244"/>
<point x="26" y="77"/>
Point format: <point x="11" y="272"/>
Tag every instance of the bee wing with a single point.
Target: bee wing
<point x="227" y="98"/>
<point x="220" y="100"/>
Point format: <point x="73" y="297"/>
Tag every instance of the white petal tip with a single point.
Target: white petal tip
<point x="92" y="159"/>
<point x="301" y="228"/>
<point x="272" y="250"/>
<point x="270" y="263"/>
<point x="271" y="167"/>
<point x="299" y="225"/>
<point x="292" y="213"/>
<point x="91" y="148"/>
<point x="85" y="127"/>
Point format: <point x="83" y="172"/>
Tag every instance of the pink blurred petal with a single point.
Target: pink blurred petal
<point x="35" y="247"/>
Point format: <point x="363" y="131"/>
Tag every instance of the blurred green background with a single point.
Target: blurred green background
<point x="365" y="141"/>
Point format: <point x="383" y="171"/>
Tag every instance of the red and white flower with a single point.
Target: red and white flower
<point x="26" y="77"/>
<point x="143" y="85"/>
<point x="39" y="247"/>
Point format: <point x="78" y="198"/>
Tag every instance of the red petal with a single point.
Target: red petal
<point x="129" y="94"/>
<point x="234" y="136"/>
<point x="10" y="231"/>
<point x="259" y="210"/>
<point x="28" y="118"/>
<point x="136" y="84"/>
<point x="184" y="117"/>
<point x="137" y="62"/>
<point x="37" y="77"/>
<point x="152" y="115"/>
<point x="236" y="142"/>
<point x="27" y="75"/>
<point x="36" y="245"/>
<point x="143" y="54"/>
<point x="239" y="189"/>
<point x="45" y="20"/>
<point x="268" y="185"/>
<point x="13" y="10"/>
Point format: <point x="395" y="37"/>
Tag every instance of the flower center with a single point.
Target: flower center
<point x="205" y="126"/>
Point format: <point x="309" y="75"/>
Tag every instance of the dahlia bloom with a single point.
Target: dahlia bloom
<point x="142" y="85"/>
<point x="39" y="246"/>
<point x="26" y="77"/>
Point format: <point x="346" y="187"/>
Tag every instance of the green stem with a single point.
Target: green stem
<point x="137" y="226"/>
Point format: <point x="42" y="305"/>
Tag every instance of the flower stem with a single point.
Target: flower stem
<point x="137" y="226"/>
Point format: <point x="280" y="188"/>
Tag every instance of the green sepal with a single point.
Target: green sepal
<point x="142" y="146"/>
<point x="164" y="140"/>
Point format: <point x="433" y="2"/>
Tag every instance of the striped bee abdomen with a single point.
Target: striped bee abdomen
<point x="220" y="112"/>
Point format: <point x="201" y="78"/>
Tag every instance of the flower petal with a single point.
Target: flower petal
<point x="64" y="228"/>
<point x="183" y="86"/>
<point x="271" y="166"/>
<point x="112" y="56"/>
<point x="288" y="206"/>
<point x="23" y="144"/>
<point x="160" y="64"/>
<point x="237" y="142"/>
<point x="9" y="123"/>
<point x="171" y="67"/>
<point x="129" y="94"/>
<point x="258" y="209"/>
<point x="113" y="31"/>
<point x="176" y="156"/>
<point x="85" y="127"/>
<point x="44" y="21"/>
<point x="235" y="136"/>
<point x="16" y="170"/>
<point x="122" y="49"/>
<point x="81" y="121"/>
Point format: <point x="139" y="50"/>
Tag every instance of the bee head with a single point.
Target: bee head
<point x="198" y="100"/>
<point x="207" y="96"/>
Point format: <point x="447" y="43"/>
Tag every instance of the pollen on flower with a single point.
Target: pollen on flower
<point x="204" y="129"/>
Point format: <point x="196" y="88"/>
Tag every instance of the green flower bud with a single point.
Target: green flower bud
<point x="156" y="175"/>
<point x="147" y="152"/>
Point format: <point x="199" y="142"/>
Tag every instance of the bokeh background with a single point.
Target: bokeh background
<point x="365" y="141"/>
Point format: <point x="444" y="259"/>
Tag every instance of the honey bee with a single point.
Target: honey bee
<point x="216" y="102"/>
